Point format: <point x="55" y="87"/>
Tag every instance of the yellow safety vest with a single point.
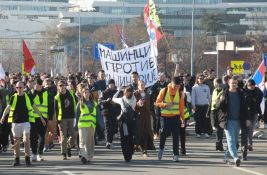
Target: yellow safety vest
<point x="13" y="107"/>
<point x="86" y="118"/>
<point x="215" y="97"/>
<point x="43" y="108"/>
<point x="174" y="110"/>
<point x="7" y="99"/>
<point x="57" y="98"/>
<point x="186" y="113"/>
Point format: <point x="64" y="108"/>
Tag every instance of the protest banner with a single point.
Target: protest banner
<point x="119" y="65"/>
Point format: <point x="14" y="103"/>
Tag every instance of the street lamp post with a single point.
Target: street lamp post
<point x="192" y="38"/>
<point x="79" y="42"/>
<point x="217" y="57"/>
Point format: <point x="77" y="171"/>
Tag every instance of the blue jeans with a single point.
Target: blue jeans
<point x="231" y="132"/>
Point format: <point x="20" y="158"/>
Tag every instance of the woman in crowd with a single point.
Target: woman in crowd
<point x="86" y="112"/>
<point x="144" y="133"/>
<point x="127" y="121"/>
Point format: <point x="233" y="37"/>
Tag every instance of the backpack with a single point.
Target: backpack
<point x="128" y="115"/>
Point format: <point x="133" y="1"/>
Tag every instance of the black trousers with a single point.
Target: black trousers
<point x="38" y="131"/>
<point x="183" y="137"/>
<point x="170" y="125"/>
<point x="203" y="124"/>
<point x="111" y="127"/>
<point x="127" y="140"/>
<point x="219" y="130"/>
<point x="5" y="130"/>
<point x="156" y="120"/>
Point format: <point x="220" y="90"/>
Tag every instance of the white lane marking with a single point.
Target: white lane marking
<point x="248" y="171"/>
<point x="68" y="172"/>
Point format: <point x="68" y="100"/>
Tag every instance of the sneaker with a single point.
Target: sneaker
<point x="175" y="158"/>
<point x="144" y="155"/>
<point x="83" y="159"/>
<point x="34" y="158"/>
<point x="108" y="145"/>
<point x="160" y="154"/>
<point x="237" y="162"/>
<point x="28" y="161"/>
<point x="64" y="156"/>
<point x="46" y="148"/>
<point x="39" y="158"/>
<point x="227" y="161"/>
<point x="16" y="162"/>
<point x="250" y="147"/>
<point x="69" y="152"/>
<point x="207" y="135"/>
<point x="198" y="135"/>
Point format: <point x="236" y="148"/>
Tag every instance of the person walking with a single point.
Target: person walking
<point x="127" y="121"/>
<point x="65" y="112"/>
<point x="232" y="115"/>
<point x="110" y="111"/>
<point x="20" y="111"/>
<point x="200" y="99"/>
<point x="155" y="89"/>
<point x="253" y="96"/>
<point x="38" y="130"/>
<point x="214" y="113"/>
<point x="144" y="133"/>
<point x="171" y="102"/>
<point x="86" y="112"/>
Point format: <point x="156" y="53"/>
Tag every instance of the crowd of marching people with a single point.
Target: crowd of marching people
<point x="82" y="111"/>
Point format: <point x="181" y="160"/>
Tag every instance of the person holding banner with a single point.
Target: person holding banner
<point x="144" y="136"/>
<point x="171" y="102"/>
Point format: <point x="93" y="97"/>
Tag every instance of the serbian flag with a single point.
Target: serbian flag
<point x="258" y="77"/>
<point x="152" y="28"/>
<point x="29" y="64"/>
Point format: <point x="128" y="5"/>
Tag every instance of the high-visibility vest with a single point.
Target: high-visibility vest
<point x="28" y="105"/>
<point x="57" y="98"/>
<point x="72" y="92"/>
<point x="186" y="113"/>
<point x="174" y="110"/>
<point x="7" y="99"/>
<point x="215" y="97"/>
<point x="86" y="118"/>
<point x="43" y="108"/>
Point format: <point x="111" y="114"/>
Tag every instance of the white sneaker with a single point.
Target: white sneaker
<point x="34" y="158"/>
<point x="207" y="135"/>
<point x="39" y="158"/>
<point x="160" y="154"/>
<point x="175" y="158"/>
<point x="198" y="135"/>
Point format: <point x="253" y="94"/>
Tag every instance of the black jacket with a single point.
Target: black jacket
<point x="254" y="99"/>
<point x="222" y="107"/>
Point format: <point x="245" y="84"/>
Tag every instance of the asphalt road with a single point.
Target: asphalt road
<point x="201" y="159"/>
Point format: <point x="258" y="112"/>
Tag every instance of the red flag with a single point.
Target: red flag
<point x="28" y="60"/>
